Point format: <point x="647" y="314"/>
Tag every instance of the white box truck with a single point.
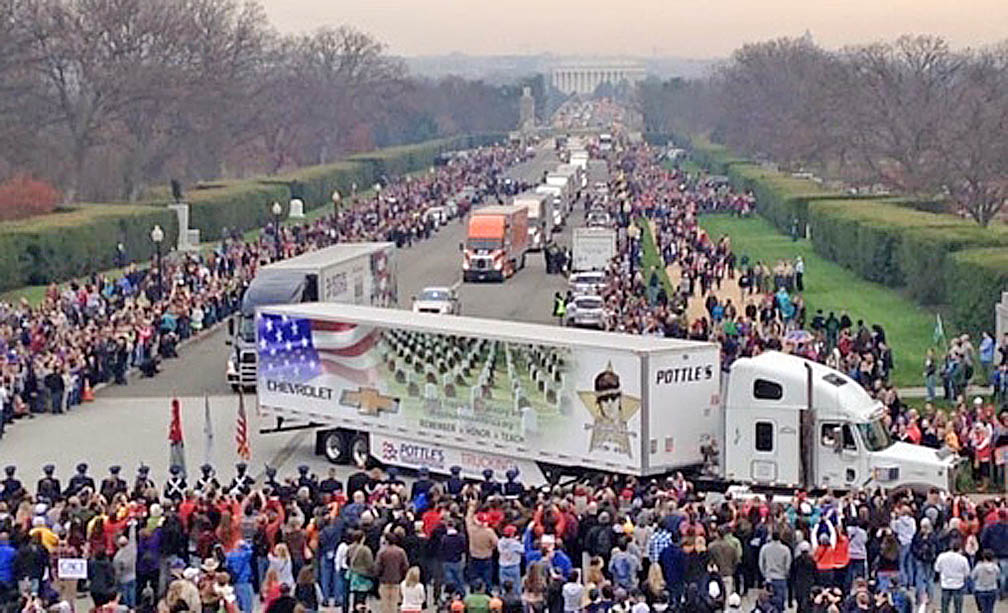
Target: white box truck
<point x="540" y="218"/>
<point x="592" y="248"/>
<point x="355" y="273"/>
<point x="414" y="389"/>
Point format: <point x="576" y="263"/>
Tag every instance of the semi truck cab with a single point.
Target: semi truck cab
<point x="793" y="423"/>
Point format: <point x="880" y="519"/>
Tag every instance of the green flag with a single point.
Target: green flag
<point x="939" y="331"/>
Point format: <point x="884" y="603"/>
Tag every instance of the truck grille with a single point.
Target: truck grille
<point x="248" y="368"/>
<point x="481" y="263"/>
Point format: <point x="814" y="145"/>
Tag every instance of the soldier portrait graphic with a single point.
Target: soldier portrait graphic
<point x="611" y="410"/>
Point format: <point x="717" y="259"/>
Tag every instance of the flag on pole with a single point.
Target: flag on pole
<point x="938" y="337"/>
<point x="208" y="435"/>
<point x="176" y="448"/>
<point x="241" y="430"/>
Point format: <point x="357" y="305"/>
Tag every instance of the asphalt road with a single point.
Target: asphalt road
<point x="129" y="424"/>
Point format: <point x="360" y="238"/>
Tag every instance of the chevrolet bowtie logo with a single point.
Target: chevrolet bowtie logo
<point x="369" y="401"/>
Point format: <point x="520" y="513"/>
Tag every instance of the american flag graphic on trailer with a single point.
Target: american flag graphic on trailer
<point x="298" y="349"/>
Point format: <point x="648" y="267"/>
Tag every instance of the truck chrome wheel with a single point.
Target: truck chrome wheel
<point x="335" y="448"/>
<point x="360" y="449"/>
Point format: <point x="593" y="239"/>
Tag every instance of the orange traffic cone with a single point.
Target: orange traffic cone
<point x="88" y="394"/>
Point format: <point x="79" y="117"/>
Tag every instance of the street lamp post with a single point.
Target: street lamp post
<point x="277" y="210"/>
<point x="336" y="199"/>
<point x="157" y="235"/>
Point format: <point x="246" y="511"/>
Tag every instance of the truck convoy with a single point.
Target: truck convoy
<point x="540" y="218"/>
<point x="353" y="273"/>
<point x="593" y="248"/>
<point x="496" y="243"/>
<point x="421" y="390"/>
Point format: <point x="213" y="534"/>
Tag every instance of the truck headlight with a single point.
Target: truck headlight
<point x="231" y="370"/>
<point x="465" y="264"/>
<point x="498" y="265"/>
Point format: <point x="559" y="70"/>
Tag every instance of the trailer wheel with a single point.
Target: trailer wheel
<point x="335" y="447"/>
<point x="360" y="449"/>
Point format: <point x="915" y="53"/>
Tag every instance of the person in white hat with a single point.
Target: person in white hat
<point x="734" y="602"/>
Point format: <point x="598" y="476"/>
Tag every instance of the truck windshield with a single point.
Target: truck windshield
<point x="875" y="435"/>
<point x="487" y="244"/>
<point x="246" y="329"/>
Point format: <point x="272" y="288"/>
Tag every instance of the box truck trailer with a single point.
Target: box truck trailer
<point x="355" y="273"/>
<point x="415" y="390"/>
<point x="540" y="218"/>
<point x="592" y="248"/>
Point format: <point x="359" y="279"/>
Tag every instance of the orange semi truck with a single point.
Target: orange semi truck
<point x="496" y="244"/>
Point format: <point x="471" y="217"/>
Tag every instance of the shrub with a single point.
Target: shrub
<point x="64" y="245"/>
<point x="975" y="279"/>
<point x="23" y="196"/>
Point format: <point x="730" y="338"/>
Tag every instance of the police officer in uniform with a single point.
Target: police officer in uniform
<point x="455" y="481"/>
<point x="48" y="487"/>
<point x="423" y="483"/>
<point x="79" y="481"/>
<point x="207" y="480"/>
<point x="489" y="487"/>
<point x="175" y="486"/>
<point x="243" y="481"/>
<point x="513" y="488"/>
<point x="143" y="481"/>
<point x="559" y="307"/>
<point x="12" y="488"/>
<point x="307" y="480"/>
<point x="113" y="484"/>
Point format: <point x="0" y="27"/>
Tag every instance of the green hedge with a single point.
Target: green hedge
<point x="975" y="279"/>
<point x="65" y="245"/>
<point x="899" y="242"/>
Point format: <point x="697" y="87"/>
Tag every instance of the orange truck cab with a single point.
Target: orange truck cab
<point x="496" y="243"/>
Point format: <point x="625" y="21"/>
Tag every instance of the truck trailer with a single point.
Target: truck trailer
<point x="540" y="218"/>
<point x="419" y="390"/>
<point x="354" y="273"/>
<point x="496" y="243"/>
<point x="592" y="248"/>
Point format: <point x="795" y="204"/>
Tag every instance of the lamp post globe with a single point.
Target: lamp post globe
<point x="277" y="210"/>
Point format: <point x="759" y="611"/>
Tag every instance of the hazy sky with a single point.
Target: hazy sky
<point x="689" y="28"/>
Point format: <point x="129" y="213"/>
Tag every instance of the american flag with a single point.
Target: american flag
<point x="241" y="430"/>
<point x="298" y="349"/>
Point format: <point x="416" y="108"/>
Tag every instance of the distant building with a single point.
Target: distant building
<point x="583" y="78"/>
<point x="526" y="110"/>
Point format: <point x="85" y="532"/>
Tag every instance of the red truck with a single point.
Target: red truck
<point x="496" y="243"/>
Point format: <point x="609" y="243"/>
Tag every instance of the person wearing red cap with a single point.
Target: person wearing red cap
<point x="509" y="557"/>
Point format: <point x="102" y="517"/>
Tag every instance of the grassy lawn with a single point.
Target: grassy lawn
<point x="831" y="287"/>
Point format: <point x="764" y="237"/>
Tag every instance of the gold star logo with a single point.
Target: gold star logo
<point x="611" y="409"/>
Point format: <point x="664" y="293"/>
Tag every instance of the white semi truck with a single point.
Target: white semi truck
<point x="354" y="273"/>
<point x="592" y="248"/>
<point x="415" y="390"/>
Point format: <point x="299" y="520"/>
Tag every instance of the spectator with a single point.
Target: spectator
<point x="953" y="568"/>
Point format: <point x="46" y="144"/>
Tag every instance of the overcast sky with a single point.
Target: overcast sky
<point x="688" y="28"/>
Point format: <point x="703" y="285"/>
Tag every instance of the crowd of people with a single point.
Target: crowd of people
<point x="88" y="333"/>
<point x="599" y="544"/>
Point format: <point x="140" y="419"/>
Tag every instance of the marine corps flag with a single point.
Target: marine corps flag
<point x="176" y="449"/>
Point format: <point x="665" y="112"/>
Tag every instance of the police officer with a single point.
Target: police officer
<point x="12" y="488"/>
<point x="513" y="488"/>
<point x="307" y="480"/>
<point x="112" y="484"/>
<point x="207" y="480"/>
<point x="455" y="481"/>
<point x="175" y="486"/>
<point x="271" y="481"/>
<point x="423" y="483"/>
<point x="392" y="477"/>
<point x="559" y="307"/>
<point x="79" y="481"/>
<point x="243" y="481"/>
<point x="489" y="487"/>
<point x="143" y="481"/>
<point x="48" y="487"/>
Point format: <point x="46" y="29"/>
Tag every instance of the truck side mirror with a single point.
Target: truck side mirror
<point x="231" y="326"/>
<point x="461" y="246"/>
